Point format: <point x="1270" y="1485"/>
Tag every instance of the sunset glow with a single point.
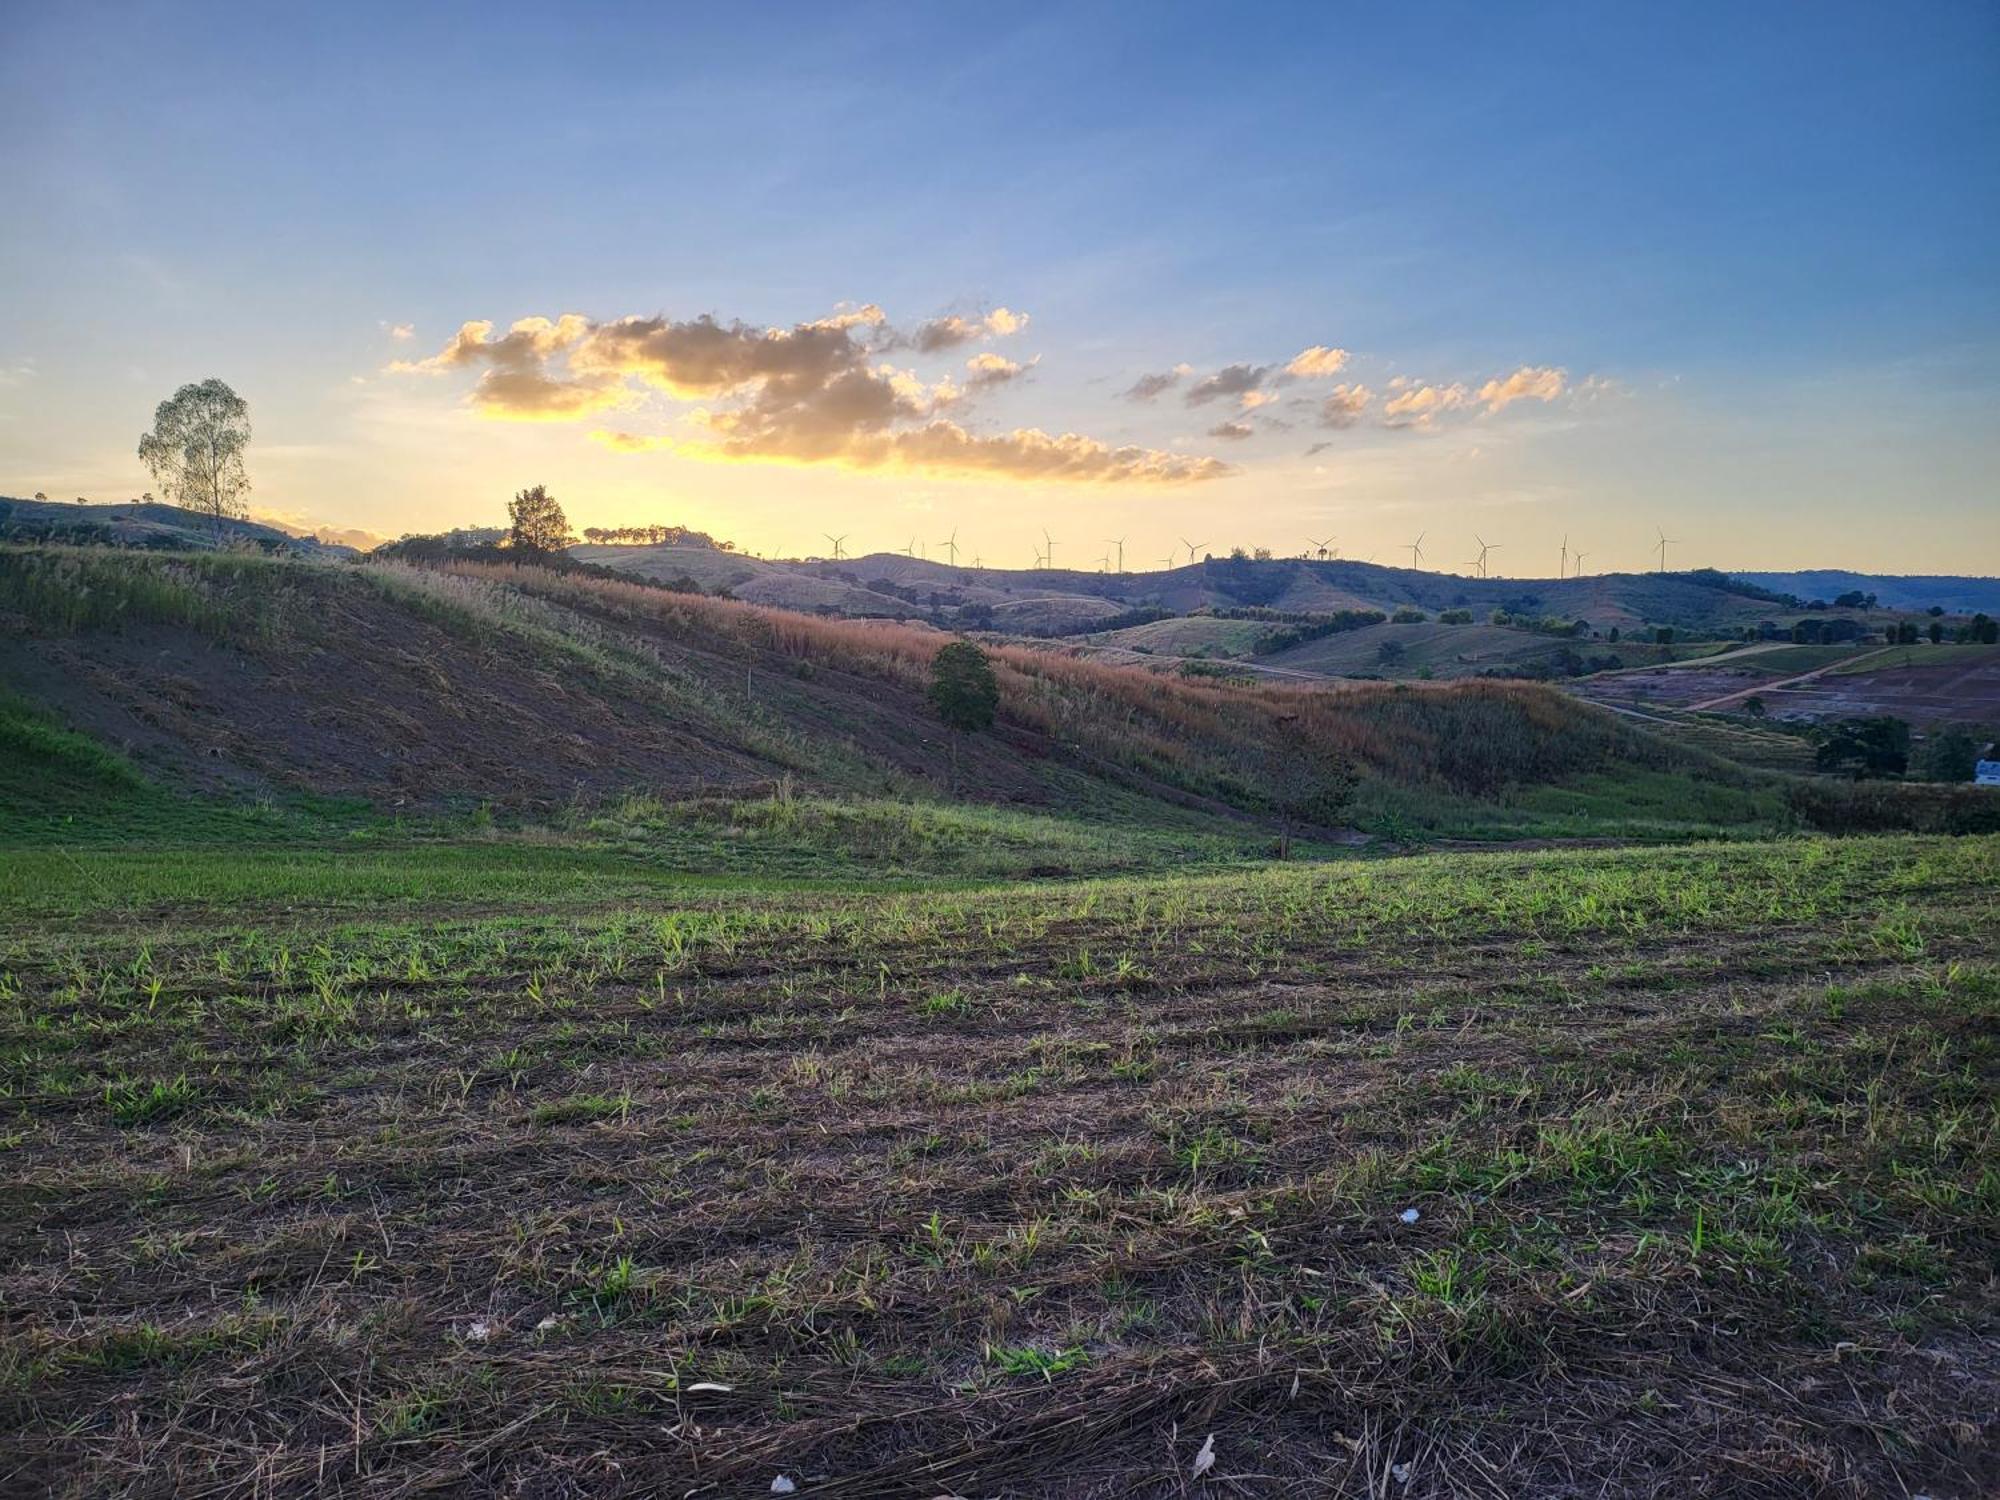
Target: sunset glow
<point x="1301" y="285"/>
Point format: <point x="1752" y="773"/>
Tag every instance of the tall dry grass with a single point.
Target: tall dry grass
<point x="1240" y="741"/>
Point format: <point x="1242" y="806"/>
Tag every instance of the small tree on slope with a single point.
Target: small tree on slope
<point x="964" y="692"/>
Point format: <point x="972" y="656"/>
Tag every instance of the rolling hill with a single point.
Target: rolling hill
<point x="1066" y="601"/>
<point x="150" y="525"/>
<point x="526" y="689"/>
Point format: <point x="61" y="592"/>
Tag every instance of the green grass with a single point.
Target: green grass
<point x="61" y="788"/>
<point x="1946" y="654"/>
<point x="1626" y="803"/>
<point x="1600" y="1159"/>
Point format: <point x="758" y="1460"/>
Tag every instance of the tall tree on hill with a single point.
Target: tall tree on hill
<point x="537" y="524"/>
<point x="964" y="692"/>
<point x="195" y="451"/>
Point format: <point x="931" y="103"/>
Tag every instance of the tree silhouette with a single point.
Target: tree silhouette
<point x="537" y="525"/>
<point x="195" y="450"/>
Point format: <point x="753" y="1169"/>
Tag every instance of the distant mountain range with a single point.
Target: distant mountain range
<point x="1953" y="593"/>
<point x="1054" y="601"/>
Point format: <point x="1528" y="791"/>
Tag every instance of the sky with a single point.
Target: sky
<point x="1563" y="278"/>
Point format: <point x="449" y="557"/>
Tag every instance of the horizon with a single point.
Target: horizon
<point x="1516" y="276"/>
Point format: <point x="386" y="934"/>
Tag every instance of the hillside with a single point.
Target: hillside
<point x="1074" y="599"/>
<point x="148" y="525"/>
<point x="527" y="689"/>
<point x="1953" y="593"/>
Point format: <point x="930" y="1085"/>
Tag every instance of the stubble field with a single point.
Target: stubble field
<point x="1660" y="1171"/>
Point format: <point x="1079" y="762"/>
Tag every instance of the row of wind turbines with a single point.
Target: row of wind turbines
<point x="1319" y="549"/>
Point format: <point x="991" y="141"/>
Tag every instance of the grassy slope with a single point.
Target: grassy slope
<point x="605" y="687"/>
<point x="417" y="690"/>
<point x="1018" y="1191"/>
<point x="1187" y="635"/>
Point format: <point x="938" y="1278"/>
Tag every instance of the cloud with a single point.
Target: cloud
<point x="1234" y="432"/>
<point x="516" y="385"/>
<point x="1418" y="404"/>
<point x="338" y="536"/>
<point x="986" y="370"/>
<point x="401" y="331"/>
<point x="814" y="393"/>
<point x="1316" y="362"/>
<point x="946" y="449"/>
<point x="1231" y="381"/>
<point x="1146" y="387"/>
<point x="951" y="331"/>
<point x="1344" y="405"/>
<point x="1529" y="383"/>
<point x="1251" y="400"/>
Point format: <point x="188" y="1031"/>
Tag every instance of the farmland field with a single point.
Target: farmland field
<point x="1663" y="1171"/>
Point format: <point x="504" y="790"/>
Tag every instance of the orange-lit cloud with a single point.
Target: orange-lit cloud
<point x="1529" y="383"/>
<point x="814" y="393"/>
<point x="986" y="370"/>
<point x="1419" y="404"/>
<point x="940" y="334"/>
<point x="517" y="385"/>
<point x="1344" y="405"/>
<point x="1250" y="386"/>
<point x="946" y="449"/>
<point x="337" y="536"/>
<point x="1316" y="362"/>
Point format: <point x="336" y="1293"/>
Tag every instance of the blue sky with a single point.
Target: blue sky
<point x="1746" y="256"/>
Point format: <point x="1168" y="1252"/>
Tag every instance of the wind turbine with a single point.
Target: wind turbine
<point x="1666" y="542"/>
<point x="950" y="545"/>
<point x="1191" y="549"/>
<point x="1562" y="571"/>
<point x="1319" y="547"/>
<point x="836" y="540"/>
<point x="1104" y="563"/>
<point x="1049" y="542"/>
<point x="1484" y="548"/>
<point x="1417" y="550"/>
<point x="1119" y="543"/>
<point x="1579" y="565"/>
<point x="1167" y="562"/>
<point x="910" y="547"/>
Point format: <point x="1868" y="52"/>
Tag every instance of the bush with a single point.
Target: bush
<point x="1892" y="807"/>
<point x="1877" y="746"/>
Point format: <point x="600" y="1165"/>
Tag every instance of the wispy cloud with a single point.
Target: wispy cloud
<point x="1344" y="405"/>
<point x="1529" y="383"/>
<point x="1420" y="404"/>
<point x="1148" y="387"/>
<point x="952" y="331"/>
<point x="1228" y="383"/>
